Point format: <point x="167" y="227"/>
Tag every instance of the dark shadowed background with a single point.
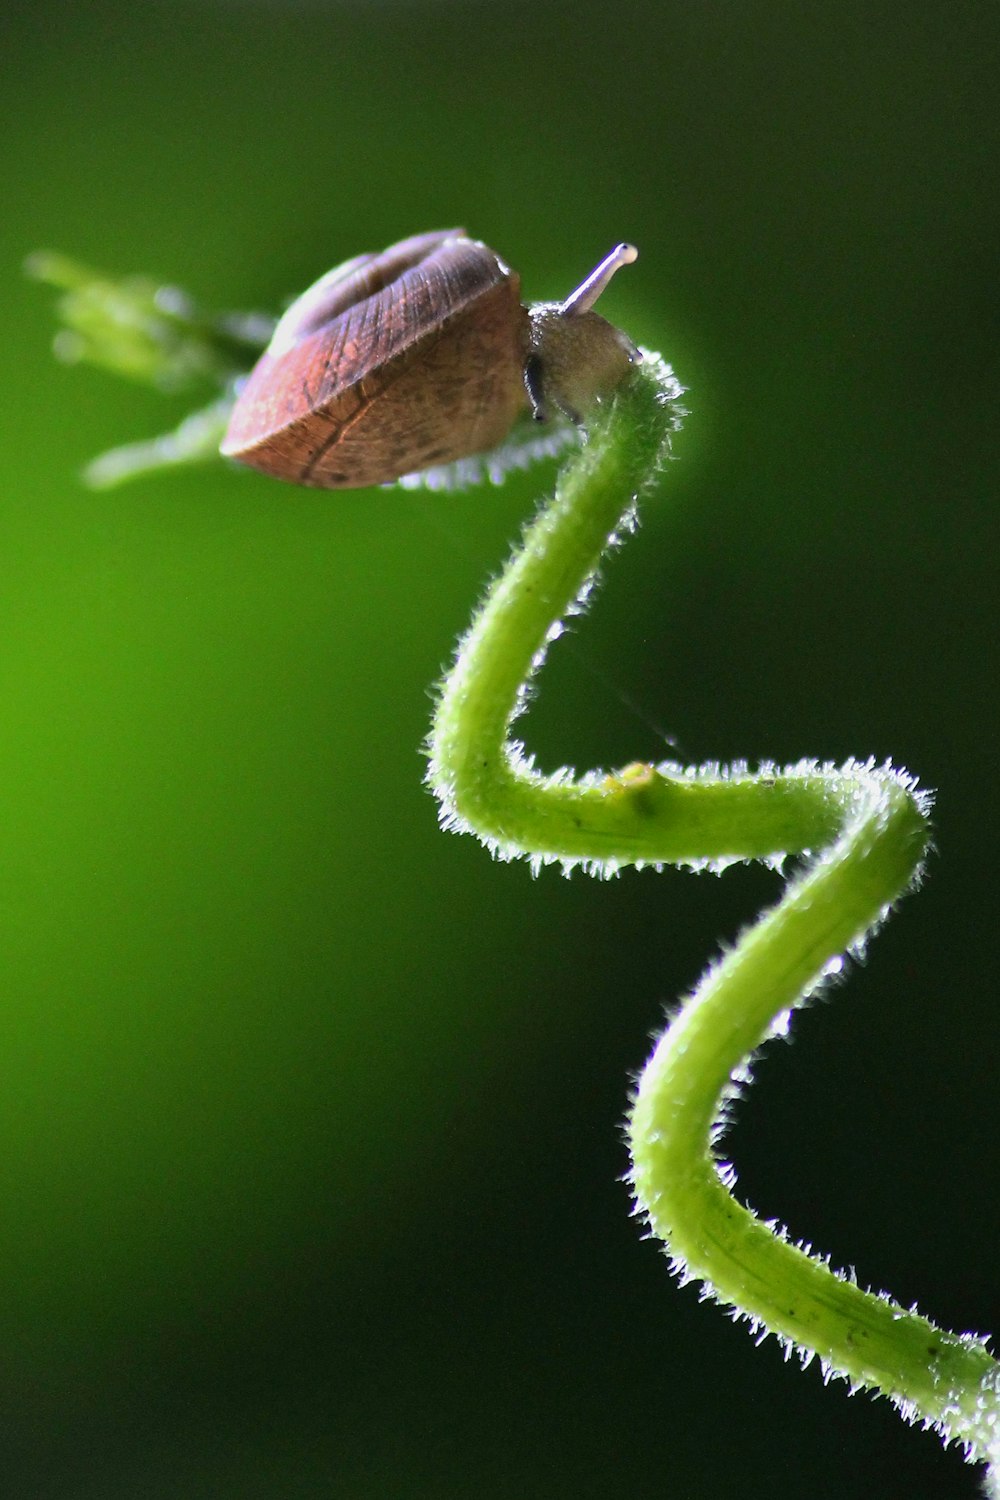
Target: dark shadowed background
<point x="309" y="1117"/>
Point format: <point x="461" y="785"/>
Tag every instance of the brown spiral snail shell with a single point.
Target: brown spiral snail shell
<point x="419" y="356"/>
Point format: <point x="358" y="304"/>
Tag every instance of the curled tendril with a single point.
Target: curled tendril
<point x="870" y="824"/>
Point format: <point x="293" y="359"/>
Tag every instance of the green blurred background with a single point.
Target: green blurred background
<point x="309" y="1125"/>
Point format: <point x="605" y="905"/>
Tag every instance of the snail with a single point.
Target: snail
<point x="420" y="356"/>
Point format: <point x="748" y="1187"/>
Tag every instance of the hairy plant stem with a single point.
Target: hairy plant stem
<point x="863" y="830"/>
<point x="870" y="826"/>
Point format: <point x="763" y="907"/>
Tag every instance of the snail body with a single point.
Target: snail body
<point x="419" y="356"/>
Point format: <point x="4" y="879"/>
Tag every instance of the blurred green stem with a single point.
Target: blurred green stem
<point x="159" y="336"/>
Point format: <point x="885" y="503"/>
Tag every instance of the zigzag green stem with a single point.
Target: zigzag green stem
<point x="872" y="828"/>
